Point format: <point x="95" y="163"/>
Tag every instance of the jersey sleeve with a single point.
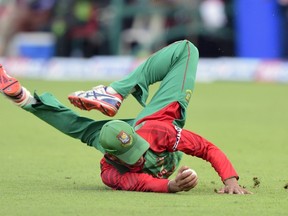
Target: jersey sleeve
<point x="195" y="145"/>
<point x="131" y="181"/>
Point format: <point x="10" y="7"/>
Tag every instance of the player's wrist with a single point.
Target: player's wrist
<point x="173" y="187"/>
<point x="230" y="179"/>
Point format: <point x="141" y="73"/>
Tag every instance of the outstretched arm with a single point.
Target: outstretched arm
<point x="195" y="145"/>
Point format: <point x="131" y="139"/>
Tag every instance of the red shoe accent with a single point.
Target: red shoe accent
<point x="10" y="86"/>
<point x="88" y="104"/>
<point x="97" y="99"/>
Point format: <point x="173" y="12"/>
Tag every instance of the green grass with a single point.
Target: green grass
<point x="44" y="172"/>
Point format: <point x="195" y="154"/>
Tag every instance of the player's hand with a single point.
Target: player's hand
<point x="232" y="187"/>
<point x="184" y="181"/>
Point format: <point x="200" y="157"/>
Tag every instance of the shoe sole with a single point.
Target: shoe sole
<point x="86" y="104"/>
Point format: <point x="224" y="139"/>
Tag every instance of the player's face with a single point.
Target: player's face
<point x="138" y="164"/>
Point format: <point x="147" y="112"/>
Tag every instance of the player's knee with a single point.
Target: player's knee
<point x="193" y="49"/>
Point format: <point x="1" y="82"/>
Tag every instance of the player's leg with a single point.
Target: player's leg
<point x="50" y="110"/>
<point x="178" y="79"/>
<point x="12" y="89"/>
<point x="174" y="65"/>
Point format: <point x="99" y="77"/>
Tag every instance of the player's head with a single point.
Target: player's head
<point x="118" y="138"/>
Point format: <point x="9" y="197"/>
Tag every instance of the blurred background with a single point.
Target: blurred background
<point x="53" y="39"/>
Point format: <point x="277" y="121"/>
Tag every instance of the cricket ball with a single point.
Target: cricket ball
<point x="193" y="172"/>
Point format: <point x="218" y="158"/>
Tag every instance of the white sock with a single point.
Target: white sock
<point x="26" y="98"/>
<point x="110" y="90"/>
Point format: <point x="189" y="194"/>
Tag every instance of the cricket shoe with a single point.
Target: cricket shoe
<point x="10" y="86"/>
<point x="97" y="98"/>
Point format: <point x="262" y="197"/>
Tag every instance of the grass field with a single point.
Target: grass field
<point x="44" y="172"/>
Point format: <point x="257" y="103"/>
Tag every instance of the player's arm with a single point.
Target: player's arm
<point x="143" y="182"/>
<point x="198" y="146"/>
<point x="195" y="145"/>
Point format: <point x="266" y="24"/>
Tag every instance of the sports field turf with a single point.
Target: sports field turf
<point x="43" y="172"/>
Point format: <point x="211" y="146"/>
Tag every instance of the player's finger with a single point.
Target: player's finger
<point x="182" y="168"/>
<point x="230" y="190"/>
<point x="189" y="182"/>
<point x="246" y="191"/>
<point x="185" y="181"/>
<point x="221" y="191"/>
<point x="240" y="192"/>
<point x="190" y="185"/>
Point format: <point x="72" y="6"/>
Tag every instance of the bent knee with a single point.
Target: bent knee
<point x="193" y="48"/>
